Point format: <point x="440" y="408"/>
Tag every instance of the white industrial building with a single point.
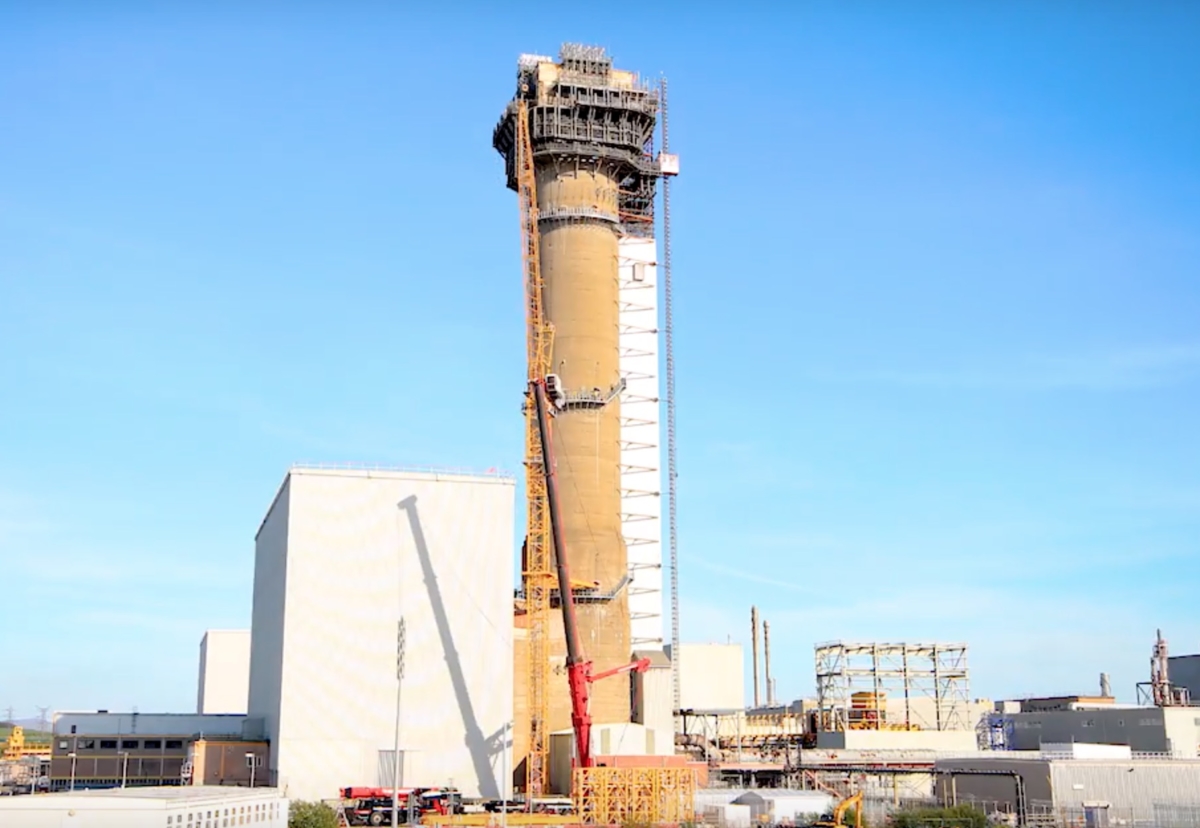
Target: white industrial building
<point x="224" y="681"/>
<point x="195" y="807"/>
<point x="99" y="749"/>
<point x="341" y="557"/>
<point x="711" y="677"/>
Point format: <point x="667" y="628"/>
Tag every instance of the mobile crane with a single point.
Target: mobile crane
<point x="579" y="668"/>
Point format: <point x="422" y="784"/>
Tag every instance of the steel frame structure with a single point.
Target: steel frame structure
<point x="932" y="671"/>
<point x="634" y="796"/>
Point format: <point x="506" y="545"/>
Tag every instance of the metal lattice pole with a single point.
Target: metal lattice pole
<point x="669" y="342"/>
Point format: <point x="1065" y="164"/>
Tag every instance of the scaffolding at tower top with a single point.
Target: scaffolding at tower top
<point x="856" y="680"/>
<point x="581" y="107"/>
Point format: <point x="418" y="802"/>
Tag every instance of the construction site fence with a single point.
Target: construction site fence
<point x="634" y="796"/>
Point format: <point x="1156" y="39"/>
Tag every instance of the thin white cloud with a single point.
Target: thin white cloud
<point x="751" y="576"/>
<point x="1117" y="370"/>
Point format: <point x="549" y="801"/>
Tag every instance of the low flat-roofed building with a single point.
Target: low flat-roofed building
<point x="1044" y="703"/>
<point x="107" y="750"/>
<point x="1093" y="792"/>
<point x="1172" y="731"/>
<point x="151" y="807"/>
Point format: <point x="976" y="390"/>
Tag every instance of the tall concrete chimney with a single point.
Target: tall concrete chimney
<point x="589" y="126"/>
<point x="767" y="663"/>
<point x="754" y="650"/>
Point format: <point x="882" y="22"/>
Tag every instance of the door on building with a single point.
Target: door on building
<point x="1095" y="815"/>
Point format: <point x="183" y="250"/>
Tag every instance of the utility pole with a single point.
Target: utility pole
<point x="396" y="739"/>
<point x="9" y="710"/>
<point x="505" y="777"/>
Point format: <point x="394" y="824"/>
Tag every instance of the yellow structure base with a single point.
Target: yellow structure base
<point x="499" y="819"/>
<point x="645" y="796"/>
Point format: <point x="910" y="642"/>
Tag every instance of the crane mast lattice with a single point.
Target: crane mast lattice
<point x="538" y="575"/>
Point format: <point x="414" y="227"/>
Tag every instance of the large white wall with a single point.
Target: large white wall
<point x="711" y="677"/>
<point x="224" y="683"/>
<point x="641" y="454"/>
<point x="341" y="556"/>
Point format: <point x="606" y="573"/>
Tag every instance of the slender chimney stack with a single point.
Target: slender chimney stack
<point x="767" y="663"/>
<point x="754" y="649"/>
<point x="1105" y="687"/>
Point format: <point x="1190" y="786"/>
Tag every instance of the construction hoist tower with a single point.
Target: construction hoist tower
<point x="578" y="146"/>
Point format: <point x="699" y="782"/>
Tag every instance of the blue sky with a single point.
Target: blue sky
<point x="938" y="352"/>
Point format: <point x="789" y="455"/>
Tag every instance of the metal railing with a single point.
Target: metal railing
<point x="456" y="471"/>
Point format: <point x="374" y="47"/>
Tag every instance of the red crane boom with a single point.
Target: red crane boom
<point x="579" y="668"/>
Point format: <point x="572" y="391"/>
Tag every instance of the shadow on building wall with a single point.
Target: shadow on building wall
<point x="482" y="748"/>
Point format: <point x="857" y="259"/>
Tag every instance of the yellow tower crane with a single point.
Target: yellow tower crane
<point x="538" y="575"/>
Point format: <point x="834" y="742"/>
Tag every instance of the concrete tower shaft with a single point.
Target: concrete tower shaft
<point x="579" y="264"/>
<point x="590" y="128"/>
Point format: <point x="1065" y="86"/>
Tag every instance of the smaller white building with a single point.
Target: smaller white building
<point x="224" y="682"/>
<point x="196" y="807"/>
<point x="776" y="806"/>
<point x="608" y="741"/>
<point x="711" y="677"/>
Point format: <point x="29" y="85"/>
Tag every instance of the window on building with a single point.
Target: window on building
<point x="108" y="744"/>
<point x="152" y="744"/>
<point x="174" y="744"/>
<point x="129" y="744"/>
<point x="1089" y="722"/>
<point x="62" y="744"/>
<point x="87" y="744"/>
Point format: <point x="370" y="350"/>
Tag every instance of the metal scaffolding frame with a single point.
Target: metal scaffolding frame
<point x="854" y="679"/>
<point x="634" y="796"/>
<point x="584" y="112"/>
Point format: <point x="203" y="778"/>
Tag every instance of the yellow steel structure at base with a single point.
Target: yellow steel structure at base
<point x="645" y="796"/>
<point x="15" y="747"/>
<point x="518" y="818"/>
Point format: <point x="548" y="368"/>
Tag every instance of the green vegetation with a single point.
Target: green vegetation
<point x="312" y="815"/>
<point x="851" y="814"/>
<point x="959" y="816"/>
